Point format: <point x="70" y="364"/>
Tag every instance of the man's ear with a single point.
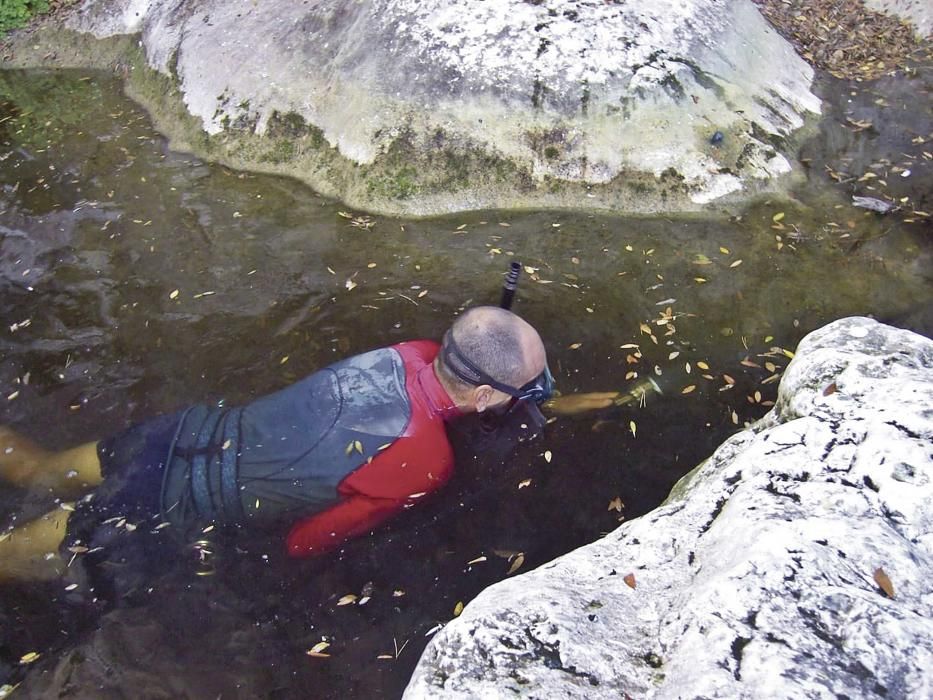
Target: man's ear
<point x="481" y="397"/>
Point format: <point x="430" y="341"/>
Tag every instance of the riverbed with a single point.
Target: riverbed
<point x="137" y="280"/>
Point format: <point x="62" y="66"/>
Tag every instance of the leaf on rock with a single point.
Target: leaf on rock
<point x="884" y="583"/>
<point x="516" y="563"/>
<point x="830" y="389"/>
<point x="629" y="580"/>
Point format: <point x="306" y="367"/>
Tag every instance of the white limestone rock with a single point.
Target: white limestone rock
<point x="590" y="93"/>
<point x="757" y="579"/>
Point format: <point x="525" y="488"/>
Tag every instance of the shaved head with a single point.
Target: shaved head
<point x="501" y="344"/>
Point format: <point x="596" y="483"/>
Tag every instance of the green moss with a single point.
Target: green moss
<point x="16" y="13"/>
<point x="551" y="152"/>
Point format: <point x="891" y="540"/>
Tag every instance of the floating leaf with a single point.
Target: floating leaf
<point x="688" y="389"/>
<point x="458" y="608"/>
<point x="699" y="280"/>
<point x="32" y="656"/>
<point x="349" y="449"/>
<point x="547" y="456"/>
<point x="702" y="365"/>
<point x="631" y="426"/>
<point x="777" y="217"/>
<point x="728" y="380"/>
<point x="348" y="599"/>
<point x="174" y="294"/>
<point x="478" y="560"/>
<point x="629" y="580"/>
<point x="723" y="250"/>
<point x="615" y="504"/>
<point x="358" y="446"/>
<point x="736" y="263"/>
<point x="350" y="285"/>
<point x="735" y="418"/>
<point x="700" y="259"/>
<point x="516" y="563"/>
<point x="673" y="355"/>
<point x="522" y="484"/>
<point x="575" y="346"/>
<point x="318" y="648"/>
<point x="884" y="583"/>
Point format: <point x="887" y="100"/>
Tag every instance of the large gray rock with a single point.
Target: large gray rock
<point x="428" y="106"/>
<point x="763" y="576"/>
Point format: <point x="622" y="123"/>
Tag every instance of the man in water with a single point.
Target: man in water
<point x="334" y="454"/>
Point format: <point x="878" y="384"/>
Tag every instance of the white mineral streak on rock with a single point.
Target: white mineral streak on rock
<point x="757" y="579"/>
<point x="576" y="90"/>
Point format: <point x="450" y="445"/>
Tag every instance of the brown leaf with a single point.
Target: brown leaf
<point x="516" y="564"/>
<point x="629" y="580"/>
<point x="884" y="583"/>
<point x="831" y="389"/>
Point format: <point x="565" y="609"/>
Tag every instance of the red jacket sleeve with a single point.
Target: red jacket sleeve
<point x="327" y="530"/>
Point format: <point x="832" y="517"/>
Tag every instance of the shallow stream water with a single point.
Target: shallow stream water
<point x="135" y="280"/>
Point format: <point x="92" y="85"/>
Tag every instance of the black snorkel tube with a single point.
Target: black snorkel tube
<point x="510" y="285"/>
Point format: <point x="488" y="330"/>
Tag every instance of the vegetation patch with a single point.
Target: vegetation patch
<point x="16" y="13"/>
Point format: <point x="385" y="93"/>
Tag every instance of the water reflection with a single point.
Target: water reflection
<point x="136" y="280"/>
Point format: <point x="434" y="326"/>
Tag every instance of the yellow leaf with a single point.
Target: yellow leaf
<point x="516" y="563"/>
<point x="700" y="259"/>
<point x="523" y="484"/>
<point x="319" y="647"/>
<point x="777" y="217"/>
<point x="700" y="280"/>
<point x="283" y="360"/>
<point x="736" y="263"/>
<point x="735" y="418"/>
<point x="724" y="251"/>
<point x="673" y="355"/>
<point x="575" y="346"/>
<point x="632" y="427"/>
<point x="349" y="449"/>
<point x="688" y="389"/>
<point x="884" y="583"/>
<point x="615" y="504"/>
<point x="728" y="379"/>
<point x="547" y="456"/>
<point x="350" y="285"/>
<point x="702" y="365"/>
<point x="358" y="446"/>
<point x="458" y="608"/>
<point x="348" y="599"/>
<point x="173" y="295"/>
<point x="29" y="658"/>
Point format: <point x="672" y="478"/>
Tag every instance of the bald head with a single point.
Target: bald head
<point x="501" y="344"/>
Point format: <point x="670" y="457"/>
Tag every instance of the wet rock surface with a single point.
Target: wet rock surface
<point x="792" y="563"/>
<point x="430" y="107"/>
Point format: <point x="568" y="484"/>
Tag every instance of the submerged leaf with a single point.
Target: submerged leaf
<point x="516" y="564"/>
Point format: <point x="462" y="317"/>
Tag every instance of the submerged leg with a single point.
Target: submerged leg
<point x="68" y="474"/>
<point x="30" y="552"/>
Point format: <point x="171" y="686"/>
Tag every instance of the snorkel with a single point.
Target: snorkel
<point x="510" y="285"/>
